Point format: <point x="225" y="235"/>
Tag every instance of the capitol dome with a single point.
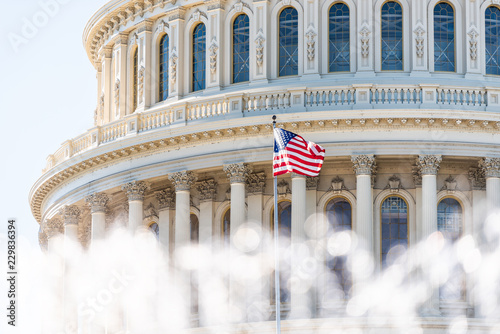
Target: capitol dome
<point x="403" y="95"/>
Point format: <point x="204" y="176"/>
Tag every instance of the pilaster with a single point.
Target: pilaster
<point x="176" y="49"/>
<point x="145" y="67"/>
<point x="260" y="70"/>
<point x="215" y="39"/>
<point x="105" y="94"/>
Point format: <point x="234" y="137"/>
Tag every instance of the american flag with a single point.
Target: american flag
<point x="294" y="154"/>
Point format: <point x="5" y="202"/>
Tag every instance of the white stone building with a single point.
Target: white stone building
<point x="403" y="95"/>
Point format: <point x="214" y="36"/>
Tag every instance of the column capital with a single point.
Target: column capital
<point x="70" y="214"/>
<point x="207" y="190"/>
<point x="237" y="172"/>
<point x="97" y="202"/>
<point x="429" y="164"/>
<point x="256" y="183"/>
<point x="166" y="199"/>
<point x="182" y="180"/>
<point x="312" y="183"/>
<point x="135" y="190"/>
<point x="363" y="164"/>
<point x="491" y="167"/>
<point x="52" y="227"/>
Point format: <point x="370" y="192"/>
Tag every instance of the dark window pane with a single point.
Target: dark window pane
<point x="199" y="54"/>
<point x="339" y="52"/>
<point x="392" y="36"/>
<point x="444" y="38"/>
<point x="288" y="42"/>
<point x="163" y="68"/>
<point x="241" y="48"/>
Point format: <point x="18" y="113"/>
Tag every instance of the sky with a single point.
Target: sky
<point x="48" y="91"/>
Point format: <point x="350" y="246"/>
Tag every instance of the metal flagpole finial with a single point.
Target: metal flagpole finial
<point x="274" y="119"/>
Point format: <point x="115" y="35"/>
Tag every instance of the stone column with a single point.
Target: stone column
<point x="311" y="191"/>
<point x="166" y="211"/>
<point x="135" y="192"/>
<point x="183" y="182"/>
<point x="71" y="216"/>
<point x="215" y="38"/>
<point x="237" y="174"/>
<point x="105" y="97"/>
<point x="207" y="190"/>
<point x="145" y="67"/>
<point x="364" y="166"/>
<point x="176" y="41"/>
<point x="491" y="168"/>
<point x="258" y="292"/>
<point x="120" y="80"/>
<point x="298" y="297"/>
<point x="429" y="166"/>
<point x="97" y="203"/>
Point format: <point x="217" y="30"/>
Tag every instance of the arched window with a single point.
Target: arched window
<point x="164" y="68"/>
<point x="339" y="46"/>
<point x="226" y="226"/>
<point x="241" y="48"/>
<point x="195" y="238"/>
<point x="134" y="81"/>
<point x="392" y="36"/>
<point x="199" y="54"/>
<point x="449" y="214"/>
<point x="338" y="212"/>
<point x="492" y="35"/>
<point x="153" y="227"/>
<point x="444" y="38"/>
<point x="394" y="213"/>
<point x="285" y="230"/>
<point x="288" y="42"/>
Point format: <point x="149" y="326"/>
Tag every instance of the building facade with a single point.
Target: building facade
<point x="183" y="134"/>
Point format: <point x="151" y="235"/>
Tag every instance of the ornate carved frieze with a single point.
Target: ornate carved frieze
<point x="477" y="178"/>
<point x="135" y="190"/>
<point x="70" y="214"/>
<point x="182" y="180"/>
<point x="312" y="183"/>
<point x="363" y="164"/>
<point x="365" y="41"/>
<point x="310" y="41"/>
<point x="166" y="199"/>
<point x="207" y="190"/>
<point x="491" y="167"/>
<point x="213" y="56"/>
<point x="97" y="202"/>
<point x="215" y="4"/>
<point x="237" y="172"/>
<point x="259" y="48"/>
<point x="419" y="41"/>
<point x="256" y="183"/>
<point x="429" y="164"/>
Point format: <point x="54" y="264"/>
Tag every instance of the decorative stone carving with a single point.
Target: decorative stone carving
<point x="228" y="194"/>
<point x="429" y="164"/>
<point x="256" y="183"/>
<point x="182" y="180"/>
<point x="473" y="40"/>
<point x="417" y="176"/>
<point x="53" y="227"/>
<point x="337" y="185"/>
<point x="207" y="190"/>
<point x="477" y="178"/>
<point x="259" y="49"/>
<point x="491" y="167"/>
<point x="283" y="188"/>
<point x="85" y="232"/>
<point x="196" y="16"/>
<point x="133" y="39"/>
<point x="117" y="93"/>
<point x="97" y="202"/>
<point x="394" y="184"/>
<point x="450" y="184"/>
<point x="173" y="66"/>
<point x="142" y="72"/>
<point x="70" y="214"/>
<point x="312" y="183"/>
<point x="363" y="164"/>
<point x="162" y="27"/>
<point x="166" y="199"/>
<point x="238" y="7"/>
<point x="135" y="190"/>
<point x="43" y="240"/>
<point x="213" y="56"/>
<point x="237" y="172"/>
<point x="365" y="41"/>
<point x="419" y="39"/>
<point x="150" y="211"/>
<point x="310" y="40"/>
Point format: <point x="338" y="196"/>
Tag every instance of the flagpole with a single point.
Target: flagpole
<point x="277" y="299"/>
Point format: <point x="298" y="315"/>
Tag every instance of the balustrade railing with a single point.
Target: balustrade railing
<point x="378" y="96"/>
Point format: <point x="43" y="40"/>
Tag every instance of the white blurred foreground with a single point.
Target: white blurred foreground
<point x="126" y="284"/>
